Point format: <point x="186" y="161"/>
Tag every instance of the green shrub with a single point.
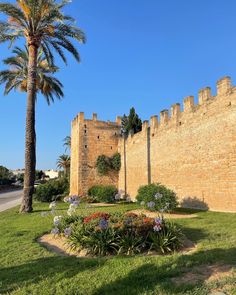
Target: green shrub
<point x="157" y="197"/>
<point x="52" y="190"/>
<point x="103" y="193"/>
<point x="128" y="234"/>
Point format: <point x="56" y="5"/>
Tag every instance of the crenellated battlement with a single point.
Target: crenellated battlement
<point x="174" y="117"/>
<point x="80" y="118"/>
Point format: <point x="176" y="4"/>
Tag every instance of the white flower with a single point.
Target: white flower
<point x="117" y="197"/>
<point x="158" y="196"/>
<point x="157" y="228"/>
<point x="142" y="203"/>
<point x="52" y="205"/>
<point x="71" y="211"/>
<point x="56" y="220"/>
<point x="65" y="199"/>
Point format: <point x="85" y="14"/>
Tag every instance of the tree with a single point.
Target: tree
<point x="131" y="123"/>
<point x="39" y="175"/>
<point x="16" y="77"/>
<point x="67" y="142"/>
<point x="43" y="25"/>
<point x="63" y="162"/>
<point x="5" y="174"/>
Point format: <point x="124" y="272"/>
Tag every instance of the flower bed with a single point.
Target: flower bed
<point x="113" y="234"/>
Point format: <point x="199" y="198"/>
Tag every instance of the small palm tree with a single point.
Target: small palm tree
<point x="63" y="162"/>
<point x="43" y="24"/>
<point x="16" y="77"/>
<point x="67" y="142"/>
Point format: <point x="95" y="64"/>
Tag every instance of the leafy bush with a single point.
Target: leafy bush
<point x="157" y="197"/>
<point x="52" y="190"/>
<point x="105" y="234"/>
<point x="103" y="193"/>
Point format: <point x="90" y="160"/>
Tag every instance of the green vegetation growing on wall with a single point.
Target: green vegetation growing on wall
<point x="105" y="164"/>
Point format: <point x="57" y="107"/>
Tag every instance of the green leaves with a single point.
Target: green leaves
<point x="162" y="198"/>
<point x="16" y="76"/>
<point x="131" y="123"/>
<point x="104" y="164"/>
<point x="44" y="24"/>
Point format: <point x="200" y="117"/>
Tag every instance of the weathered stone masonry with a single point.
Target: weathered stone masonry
<point x="90" y="139"/>
<point x="192" y="151"/>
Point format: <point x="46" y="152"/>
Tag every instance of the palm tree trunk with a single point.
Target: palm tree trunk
<point x="30" y="135"/>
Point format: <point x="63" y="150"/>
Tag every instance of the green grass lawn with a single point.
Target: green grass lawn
<point x="28" y="268"/>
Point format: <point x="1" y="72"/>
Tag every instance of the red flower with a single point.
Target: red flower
<point x="96" y="215"/>
<point x="148" y="220"/>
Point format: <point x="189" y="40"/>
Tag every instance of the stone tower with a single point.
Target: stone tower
<point x="90" y="139"/>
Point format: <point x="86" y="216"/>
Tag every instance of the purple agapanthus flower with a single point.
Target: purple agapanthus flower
<point x="158" y="220"/>
<point x="67" y="231"/>
<point x="151" y="204"/>
<point x="158" y="196"/>
<point x="128" y="221"/>
<point x="56" y="220"/>
<point x="55" y="231"/>
<point x="103" y="223"/>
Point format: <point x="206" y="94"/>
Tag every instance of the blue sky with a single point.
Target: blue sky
<point x="147" y="54"/>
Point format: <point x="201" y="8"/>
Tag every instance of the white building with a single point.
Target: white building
<point x="51" y="173"/>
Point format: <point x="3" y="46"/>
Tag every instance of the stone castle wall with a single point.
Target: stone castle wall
<point x="192" y="151"/>
<point x="90" y="139"/>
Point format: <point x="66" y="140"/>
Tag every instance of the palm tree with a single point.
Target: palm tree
<point x="16" y="77"/>
<point x="67" y="142"/>
<point x="42" y="24"/>
<point x="63" y="162"/>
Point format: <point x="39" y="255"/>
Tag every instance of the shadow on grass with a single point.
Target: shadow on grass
<point x="146" y="278"/>
<point x="40" y="269"/>
<point x="194" y="234"/>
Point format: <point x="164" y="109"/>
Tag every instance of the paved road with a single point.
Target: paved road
<point x="9" y="200"/>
